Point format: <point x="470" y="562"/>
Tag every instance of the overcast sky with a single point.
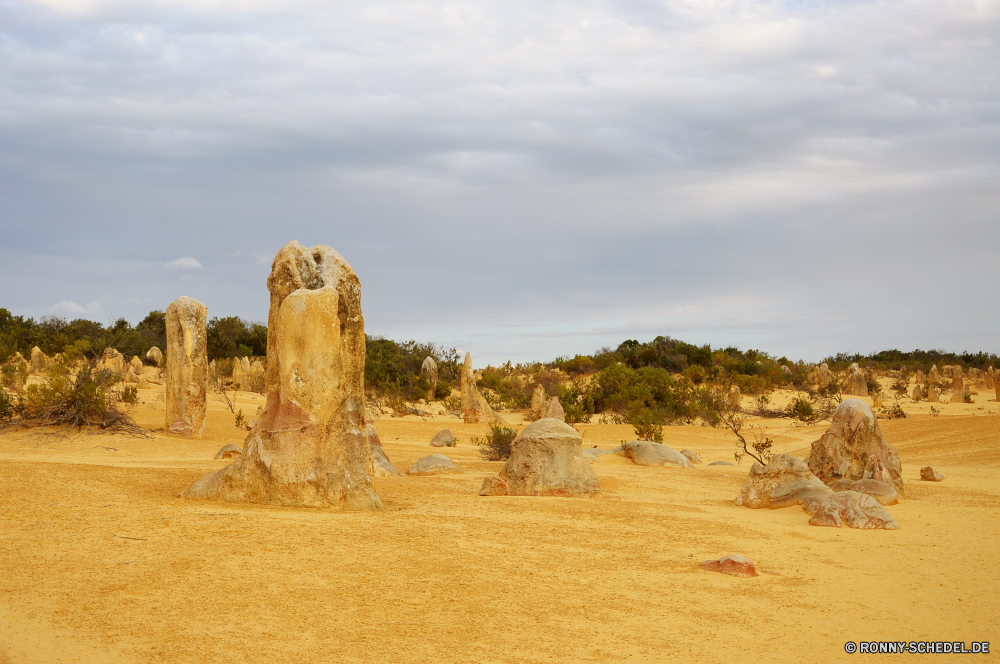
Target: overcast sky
<point x="520" y="179"/>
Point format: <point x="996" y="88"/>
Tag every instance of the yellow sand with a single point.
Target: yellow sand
<point x="101" y="562"/>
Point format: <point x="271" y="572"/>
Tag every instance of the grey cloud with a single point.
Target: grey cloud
<point x="814" y="176"/>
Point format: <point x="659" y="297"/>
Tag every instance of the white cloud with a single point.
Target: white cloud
<point x="70" y="307"/>
<point x="184" y="263"/>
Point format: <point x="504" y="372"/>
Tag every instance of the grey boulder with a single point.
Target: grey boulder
<point x="433" y="464"/>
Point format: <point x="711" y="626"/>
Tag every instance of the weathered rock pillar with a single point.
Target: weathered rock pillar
<point x="429" y="370"/>
<point x="187" y="367"/>
<point x="308" y="447"/>
<point x="475" y="408"/>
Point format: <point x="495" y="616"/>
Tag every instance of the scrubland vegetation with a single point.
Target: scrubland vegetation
<point x="644" y="384"/>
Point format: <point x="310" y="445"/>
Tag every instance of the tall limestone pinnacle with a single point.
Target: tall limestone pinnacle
<point x="309" y="446"/>
<point x="187" y="367"/>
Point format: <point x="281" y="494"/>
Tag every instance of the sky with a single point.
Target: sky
<point x="517" y="179"/>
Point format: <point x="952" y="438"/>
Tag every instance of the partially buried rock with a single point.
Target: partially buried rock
<point x="494" y="486"/>
<point x="443" y="438"/>
<point x="229" y="451"/>
<point x="783" y="482"/>
<point x="691" y="455"/>
<point x="546" y="460"/>
<point x="928" y="474"/>
<point x="647" y="453"/>
<point x="309" y="447"/>
<point x="433" y="464"/>
<point x="854" y="510"/>
<point x="853" y="448"/>
<point x="722" y="463"/>
<point x="877" y="489"/>
<point x="733" y="565"/>
<point x="155" y="355"/>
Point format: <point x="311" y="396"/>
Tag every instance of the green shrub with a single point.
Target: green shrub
<point x="801" y="409"/>
<point x="7" y="405"/>
<point x="496" y="445"/>
<point x="84" y="399"/>
<point x="129" y="395"/>
<point x="647" y="423"/>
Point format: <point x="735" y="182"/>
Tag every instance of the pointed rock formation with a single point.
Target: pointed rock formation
<point x="538" y="403"/>
<point x="429" y="370"/>
<point x="474" y="407"/>
<point x="378" y="461"/>
<point x="853" y="448"/>
<point x="187" y="367"/>
<point x="855" y="384"/>
<point x="40" y="363"/>
<point x="309" y="446"/>
<point x="554" y="410"/>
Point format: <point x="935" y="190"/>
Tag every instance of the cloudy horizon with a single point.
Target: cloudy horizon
<point x="521" y="180"/>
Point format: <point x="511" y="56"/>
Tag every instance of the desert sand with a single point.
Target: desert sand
<point x="100" y="561"/>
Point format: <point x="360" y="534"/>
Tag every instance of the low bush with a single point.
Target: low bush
<point x="496" y="445"/>
<point x="79" y="399"/>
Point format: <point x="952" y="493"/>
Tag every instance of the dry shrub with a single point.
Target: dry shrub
<point x="76" y="398"/>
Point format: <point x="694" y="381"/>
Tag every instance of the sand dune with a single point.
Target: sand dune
<point x="101" y="562"/>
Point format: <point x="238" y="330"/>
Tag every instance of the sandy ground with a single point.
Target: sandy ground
<point x="101" y="562"/>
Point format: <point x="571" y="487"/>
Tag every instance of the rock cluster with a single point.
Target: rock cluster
<point x="309" y="446"/>
<point x="783" y="482"/>
<point x="111" y="360"/>
<point x="187" y="367"/>
<point x="821" y="376"/>
<point x="545" y="460"/>
<point x="854" y="510"/>
<point x="475" y="409"/>
<point x="853" y="448"/>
